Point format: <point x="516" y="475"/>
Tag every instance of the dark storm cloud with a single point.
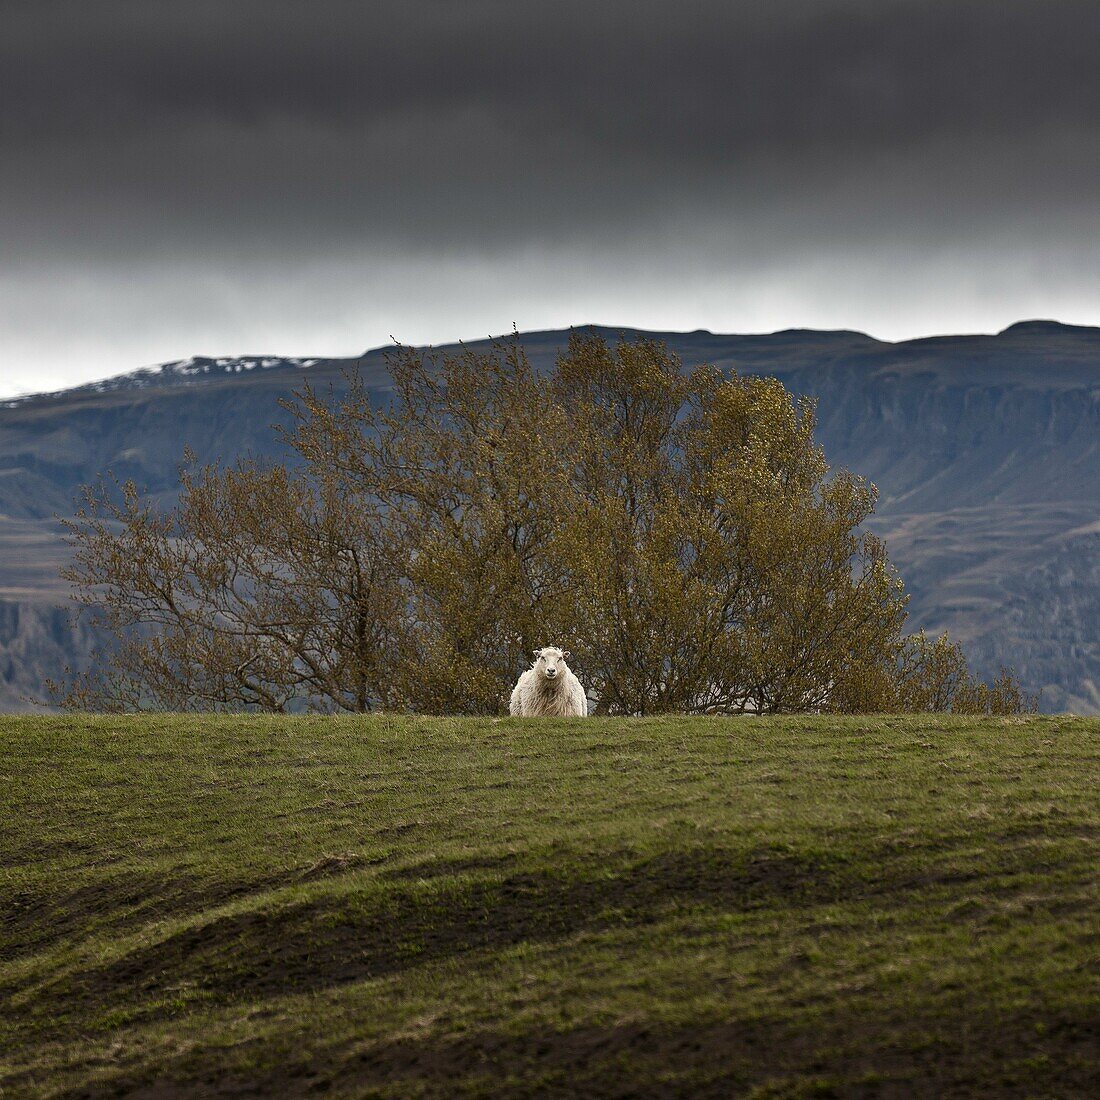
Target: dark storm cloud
<point x="265" y="126"/>
<point x="662" y="75"/>
<point x="226" y="176"/>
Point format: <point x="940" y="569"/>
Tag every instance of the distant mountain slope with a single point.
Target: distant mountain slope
<point x="986" y="451"/>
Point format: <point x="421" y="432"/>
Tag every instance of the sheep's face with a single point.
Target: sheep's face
<point x="550" y="663"/>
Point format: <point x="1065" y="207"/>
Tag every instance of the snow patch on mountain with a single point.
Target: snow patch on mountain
<point x="177" y="372"/>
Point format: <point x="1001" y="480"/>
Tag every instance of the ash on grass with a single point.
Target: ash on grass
<point x="774" y="907"/>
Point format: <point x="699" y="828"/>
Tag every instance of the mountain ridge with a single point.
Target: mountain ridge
<point x="202" y="366"/>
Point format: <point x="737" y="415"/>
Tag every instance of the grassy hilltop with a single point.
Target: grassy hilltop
<point x="401" y="907"/>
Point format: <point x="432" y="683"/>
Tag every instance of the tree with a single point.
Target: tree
<point x="934" y="676"/>
<point x="469" y="465"/>
<point x="264" y="589"/>
<point x="717" y="566"/>
<point x="682" y="533"/>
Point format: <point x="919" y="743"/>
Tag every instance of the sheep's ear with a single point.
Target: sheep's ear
<point x="566" y="654"/>
<point x="537" y="653"/>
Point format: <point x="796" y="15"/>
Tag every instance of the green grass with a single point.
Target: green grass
<point x="683" y="907"/>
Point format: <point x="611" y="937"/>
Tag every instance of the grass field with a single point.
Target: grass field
<point x="682" y="907"/>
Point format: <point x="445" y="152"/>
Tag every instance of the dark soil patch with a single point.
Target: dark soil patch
<point x="849" y="1058"/>
<point x="311" y="946"/>
<point x="33" y="922"/>
<point x="843" y="1057"/>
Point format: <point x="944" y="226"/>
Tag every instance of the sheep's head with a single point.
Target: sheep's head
<point x="550" y="662"/>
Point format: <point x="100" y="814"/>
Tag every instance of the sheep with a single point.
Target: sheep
<point x="548" y="689"/>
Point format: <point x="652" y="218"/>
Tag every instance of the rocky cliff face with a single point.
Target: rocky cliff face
<point x="37" y="641"/>
<point x="985" y="449"/>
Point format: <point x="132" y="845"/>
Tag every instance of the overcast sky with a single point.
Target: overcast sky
<point x="246" y="176"/>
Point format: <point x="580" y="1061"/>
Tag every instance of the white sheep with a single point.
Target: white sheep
<point x="548" y="689"/>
